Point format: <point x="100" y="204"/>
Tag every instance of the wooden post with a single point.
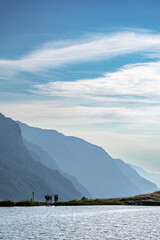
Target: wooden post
<point x="33" y="196"/>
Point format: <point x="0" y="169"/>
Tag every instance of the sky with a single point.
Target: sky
<point x="88" y="68"/>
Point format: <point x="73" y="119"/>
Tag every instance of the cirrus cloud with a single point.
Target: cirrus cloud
<point x="136" y="82"/>
<point x="95" y="48"/>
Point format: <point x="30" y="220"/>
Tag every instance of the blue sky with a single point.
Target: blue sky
<point x="86" y="68"/>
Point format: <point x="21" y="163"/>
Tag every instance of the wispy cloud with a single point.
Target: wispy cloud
<point x="131" y="95"/>
<point x="95" y="48"/>
<point x="51" y="114"/>
<point x="136" y="82"/>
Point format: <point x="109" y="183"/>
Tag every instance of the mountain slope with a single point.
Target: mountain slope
<point x="20" y="174"/>
<point x="134" y="177"/>
<point x="92" y="166"/>
<point x="40" y="155"/>
<point x="153" y="177"/>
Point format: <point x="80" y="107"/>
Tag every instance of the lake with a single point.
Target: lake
<point x="80" y="222"/>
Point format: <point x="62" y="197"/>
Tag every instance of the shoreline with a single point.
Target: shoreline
<point x="152" y="199"/>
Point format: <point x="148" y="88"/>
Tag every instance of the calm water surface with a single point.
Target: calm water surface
<point x="88" y="222"/>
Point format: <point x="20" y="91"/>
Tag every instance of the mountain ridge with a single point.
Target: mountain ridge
<point x="153" y="177"/>
<point x="20" y="174"/>
<point x="44" y="158"/>
<point x="94" y="168"/>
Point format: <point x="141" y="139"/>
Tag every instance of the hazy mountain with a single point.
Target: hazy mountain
<point x="153" y="177"/>
<point x="129" y="171"/>
<point x="21" y="174"/>
<point x="40" y="155"/>
<point x="93" y="167"/>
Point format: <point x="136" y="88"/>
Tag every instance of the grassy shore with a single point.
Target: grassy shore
<point x="27" y="203"/>
<point x="152" y="199"/>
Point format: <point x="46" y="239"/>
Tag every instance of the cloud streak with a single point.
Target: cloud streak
<point x="131" y="95"/>
<point x="50" y="114"/>
<point x="95" y="48"/>
<point x="136" y="83"/>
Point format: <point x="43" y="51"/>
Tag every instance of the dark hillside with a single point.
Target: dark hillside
<point x="20" y="174"/>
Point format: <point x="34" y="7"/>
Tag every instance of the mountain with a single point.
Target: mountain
<point x="40" y="155"/>
<point x="153" y="177"/>
<point x="128" y="171"/>
<point x="21" y="174"/>
<point x="94" y="168"/>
